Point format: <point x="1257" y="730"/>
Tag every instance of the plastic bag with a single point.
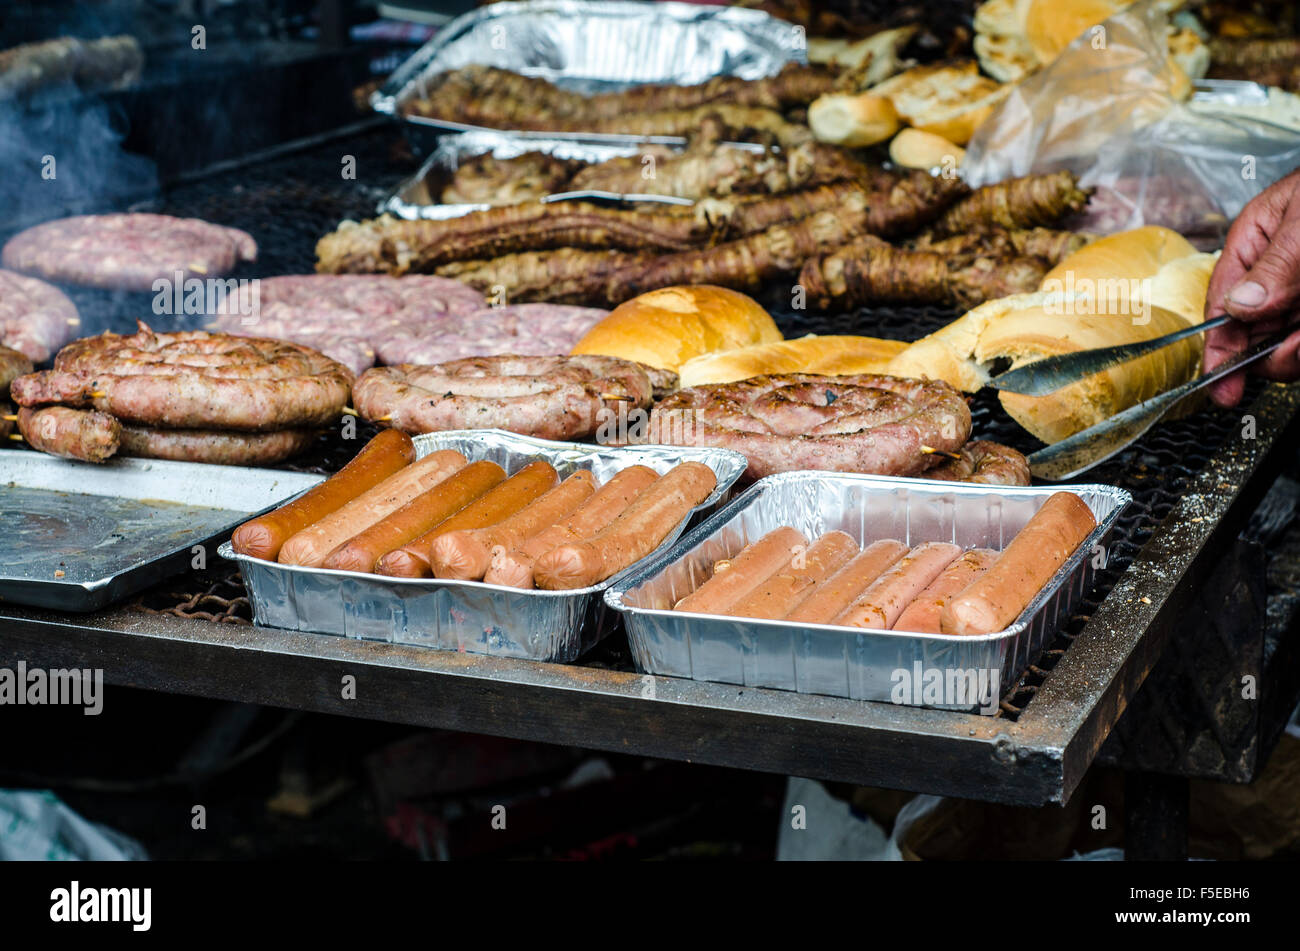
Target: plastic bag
<point x="38" y="826"/>
<point x="1111" y="109"/>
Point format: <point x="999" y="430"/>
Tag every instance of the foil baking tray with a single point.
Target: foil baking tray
<point x="418" y="196"/>
<point x="471" y="615"/>
<point x="595" y="47"/>
<point x="80" y="535"/>
<point x="888" y="666"/>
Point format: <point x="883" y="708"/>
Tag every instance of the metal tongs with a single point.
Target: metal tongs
<point x="1096" y="444"/>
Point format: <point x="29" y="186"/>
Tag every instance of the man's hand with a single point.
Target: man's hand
<point x="1257" y="281"/>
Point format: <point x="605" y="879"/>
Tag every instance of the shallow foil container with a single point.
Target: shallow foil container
<point x="596" y="47"/>
<point x="842" y="662"/>
<point x="418" y="196"/>
<point x="470" y="615"/>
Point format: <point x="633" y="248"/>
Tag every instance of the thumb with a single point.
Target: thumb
<point x="1272" y="285"/>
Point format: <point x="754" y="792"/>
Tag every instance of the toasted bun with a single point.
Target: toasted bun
<point x="852" y="121"/>
<point x="828" y="356"/>
<point x="913" y="148"/>
<point x="1120" y="289"/>
<point x="667" y="327"/>
<point x="1052" y="25"/>
<point x="1128" y="255"/>
<point x="1008" y="59"/>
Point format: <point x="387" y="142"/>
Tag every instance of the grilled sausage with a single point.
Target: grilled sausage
<point x="997" y="597"/>
<point x="837" y="592"/>
<point x="881" y="604"/>
<point x="922" y="615"/>
<point x="466" y="554"/>
<point x="631" y="536"/>
<point x="310" y="546"/>
<point x="264" y="536"/>
<point x="412" y="559"/>
<point x="515" y="567"/>
<point x="734" y="579"/>
<point x="784" y="591"/>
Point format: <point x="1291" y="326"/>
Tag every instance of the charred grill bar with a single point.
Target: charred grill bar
<point x="1195" y="482"/>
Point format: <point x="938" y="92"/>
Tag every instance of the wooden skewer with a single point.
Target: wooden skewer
<point x="98" y="395"/>
<point x="15" y="437"/>
<point x="382" y="419"/>
<point x="349" y="411"/>
<point x="955" y="456"/>
<point x="616" y="399"/>
<point x="10" y="417"/>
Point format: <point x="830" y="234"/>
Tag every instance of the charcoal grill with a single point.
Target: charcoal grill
<point x="1194" y="481"/>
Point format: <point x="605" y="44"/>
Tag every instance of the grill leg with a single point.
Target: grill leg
<point x="1155" y="817"/>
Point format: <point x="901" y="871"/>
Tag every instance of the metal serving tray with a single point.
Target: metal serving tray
<point x="115" y="528"/>
<point x="470" y="615"/>
<point x="594" y="47"/>
<point x="837" y="661"/>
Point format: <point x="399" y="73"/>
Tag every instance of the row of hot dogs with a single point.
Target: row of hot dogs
<point x="446" y="517"/>
<point x="934" y="587"/>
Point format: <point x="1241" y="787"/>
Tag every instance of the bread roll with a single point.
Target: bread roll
<point x="667" y="327"/>
<point x="913" y="148"/>
<point x="1125" y="288"/>
<point x="852" y="121"/>
<point x="947" y="99"/>
<point x="828" y="355"/>
<point x="1052" y="25"/>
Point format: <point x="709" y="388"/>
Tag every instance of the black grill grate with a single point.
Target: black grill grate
<point x="287" y="203"/>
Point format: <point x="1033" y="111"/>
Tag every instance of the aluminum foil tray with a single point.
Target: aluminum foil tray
<point x="79" y="535"/>
<point x="595" y="47"/>
<point x="836" y="661"/>
<point x="470" y="615"/>
<point x="417" y="197"/>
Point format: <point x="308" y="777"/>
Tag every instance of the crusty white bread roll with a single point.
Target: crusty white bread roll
<point x="853" y="121"/>
<point x="1052" y="25"/>
<point x="913" y="148"/>
<point x="667" y="327"/>
<point x="824" y="355"/>
<point x="1133" y="286"/>
<point x="948" y="99"/>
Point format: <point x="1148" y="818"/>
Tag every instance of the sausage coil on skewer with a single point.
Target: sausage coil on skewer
<point x="861" y="423"/>
<point x="550" y="397"/>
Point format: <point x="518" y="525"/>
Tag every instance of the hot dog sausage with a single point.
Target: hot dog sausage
<point x="417" y="516"/>
<point x="735" y="579"/>
<point x="996" y="598"/>
<point x="837" y="592"/>
<point x="264" y="536"/>
<point x="311" y="546"/>
<point x="784" y="591"/>
<point x="465" y="555"/>
<point x="631" y="536"/>
<point x="412" y="559"/>
<point x="922" y="615"/>
<point x="880" y="605"/>
<point x="515" y="568"/>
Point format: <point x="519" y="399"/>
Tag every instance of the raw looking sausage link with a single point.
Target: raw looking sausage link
<point x="216" y="448"/>
<point x="988" y="463"/>
<point x="861" y="423"/>
<point x="127" y="251"/>
<point x="71" y="433"/>
<point x="549" y="397"/>
<point x="35" y="318"/>
<point x="194" y="380"/>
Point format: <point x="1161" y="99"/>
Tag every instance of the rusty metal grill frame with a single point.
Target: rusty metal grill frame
<point x="1036" y="751"/>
